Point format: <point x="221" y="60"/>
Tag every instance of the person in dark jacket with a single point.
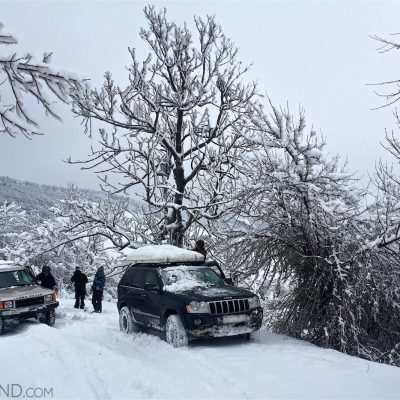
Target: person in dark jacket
<point x="97" y="288"/>
<point x="200" y="248"/>
<point x="80" y="280"/>
<point x="46" y="279"/>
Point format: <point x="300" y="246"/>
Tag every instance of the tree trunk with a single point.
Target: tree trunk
<point x="179" y="176"/>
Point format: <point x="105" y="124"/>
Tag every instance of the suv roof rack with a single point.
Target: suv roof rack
<point x="176" y="264"/>
<point x="161" y="254"/>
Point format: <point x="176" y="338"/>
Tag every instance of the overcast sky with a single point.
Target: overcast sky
<point x="317" y="55"/>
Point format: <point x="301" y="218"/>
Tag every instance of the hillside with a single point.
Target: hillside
<point x="32" y="196"/>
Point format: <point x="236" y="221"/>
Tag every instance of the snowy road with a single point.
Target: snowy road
<point x="86" y="357"/>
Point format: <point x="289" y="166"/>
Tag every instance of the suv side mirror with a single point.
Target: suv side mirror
<point x="229" y="281"/>
<point x="150" y="287"/>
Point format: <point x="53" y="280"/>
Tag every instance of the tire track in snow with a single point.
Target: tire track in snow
<point x="148" y="348"/>
<point x="72" y="370"/>
<point x="104" y="361"/>
<point x="208" y="362"/>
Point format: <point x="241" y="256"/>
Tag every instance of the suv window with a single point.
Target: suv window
<point x="134" y="277"/>
<point x="151" y="278"/>
<point x="15" y="278"/>
<point x="138" y="278"/>
<point x="127" y="278"/>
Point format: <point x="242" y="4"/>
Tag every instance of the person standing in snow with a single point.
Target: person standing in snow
<point x="200" y="248"/>
<point x="46" y="278"/>
<point x="97" y="288"/>
<point x="80" y="280"/>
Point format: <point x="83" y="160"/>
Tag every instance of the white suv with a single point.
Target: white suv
<point x="21" y="297"/>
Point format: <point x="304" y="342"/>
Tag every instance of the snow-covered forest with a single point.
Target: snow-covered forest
<point x="190" y="148"/>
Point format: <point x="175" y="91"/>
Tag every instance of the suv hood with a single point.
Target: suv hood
<point x="216" y="293"/>
<point x="22" y="292"/>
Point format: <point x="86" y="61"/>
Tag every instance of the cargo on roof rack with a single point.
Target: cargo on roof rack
<point x="160" y="254"/>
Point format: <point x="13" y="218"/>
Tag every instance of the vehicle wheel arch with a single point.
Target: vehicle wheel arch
<point x="167" y="313"/>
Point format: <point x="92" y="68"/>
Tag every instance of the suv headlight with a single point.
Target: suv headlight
<point x="48" y="298"/>
<point x="196" y="307"/>
<point x="8" y="304"/>
<point x="254" y="302"/>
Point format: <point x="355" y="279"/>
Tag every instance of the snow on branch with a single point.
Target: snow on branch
<point x="24" y="77"/>
<point x="6" y="38"/>
<point x="393" y="96"/>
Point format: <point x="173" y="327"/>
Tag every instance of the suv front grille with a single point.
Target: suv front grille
<point x="33" y="301"/>
<point x="229" y="306"/>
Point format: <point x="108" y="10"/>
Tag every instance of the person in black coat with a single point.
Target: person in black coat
<point x="97" y="289"/>
<point x="46" y="279"/>
<point x="200" y="248"/>
<point x="80" y="280"/>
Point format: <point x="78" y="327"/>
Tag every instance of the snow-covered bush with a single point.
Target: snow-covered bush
<point x="303" y="237"/>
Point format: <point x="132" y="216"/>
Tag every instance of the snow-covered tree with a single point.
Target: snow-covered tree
<point x="299" y="237"/>
<point x="174" y="131"/>
<point x="381" y="295"/>
<point x="297" y="222"/>
<point x="387" y="191"/>
<point x="12" y="223"/>
<point x="313" y="244"/>
<point x="54" y="241"/>
<point x="22" y="77"/>
<point x="111" y="219"/>
<point x="393" y="95"/>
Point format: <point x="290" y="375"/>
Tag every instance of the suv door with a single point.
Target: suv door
<point x="151" y="299"/>
<point x="132" y="287"/>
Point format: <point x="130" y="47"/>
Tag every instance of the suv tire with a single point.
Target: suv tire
<point x="126" y="323"/>
<point x="1" y="326"/>
<point x="50" y="317"/>
<point x="176" y="333"/>
<point x="42" y="318"/>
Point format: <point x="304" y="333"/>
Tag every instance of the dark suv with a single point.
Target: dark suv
<point x="186" y="300"/>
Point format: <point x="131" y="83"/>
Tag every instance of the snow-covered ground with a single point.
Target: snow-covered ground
<point x="85" y="356"/>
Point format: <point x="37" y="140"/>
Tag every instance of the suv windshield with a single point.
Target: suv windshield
<point x="15" y="278"/>
<point x="176" y="279"/>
